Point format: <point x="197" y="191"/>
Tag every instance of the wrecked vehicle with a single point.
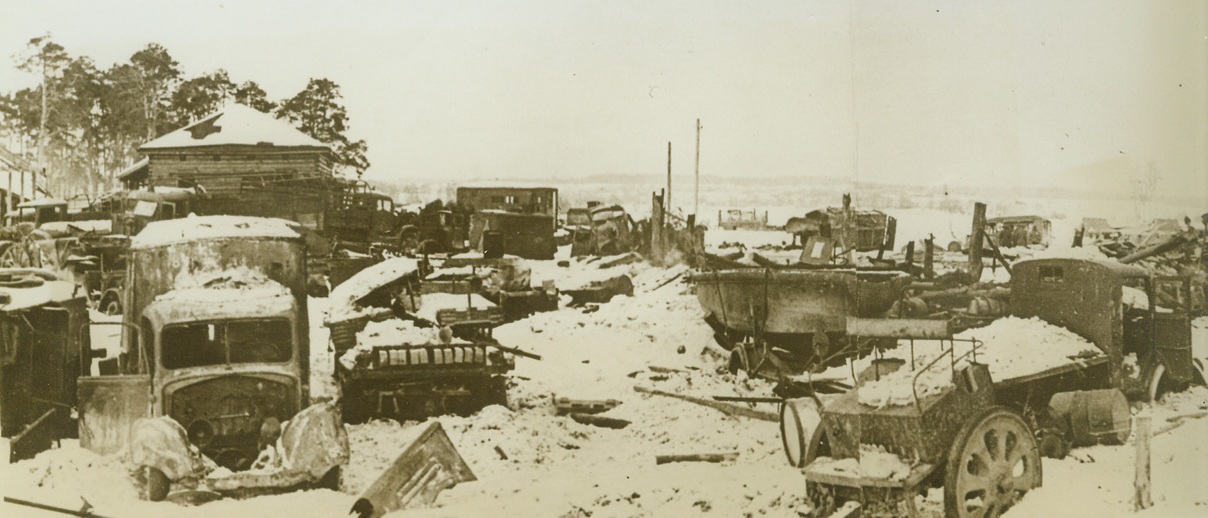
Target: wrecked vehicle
<point x="981" y="437"/>
<point x="736" y="219"/>
<point x="213" y="393"/>
<point x="41" y="355"/>
<point x="1020" y="231"/>
<point x="402" y="353"/>
<point x="859" y="230"/>
<point x="609" y="230"/>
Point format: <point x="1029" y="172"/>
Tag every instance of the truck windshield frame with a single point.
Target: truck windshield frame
<point x="211" y="343"/>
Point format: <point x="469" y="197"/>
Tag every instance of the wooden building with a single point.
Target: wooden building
<point x="247" y="162"/>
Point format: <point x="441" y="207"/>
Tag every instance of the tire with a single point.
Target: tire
<point x="1160" y="384"/>
<point x="992" y="462"/>
<point x="330" y="480"/>
<point x="739" y="360"/>
<point x="157" y="485"/>
<point x="111" y="304"/>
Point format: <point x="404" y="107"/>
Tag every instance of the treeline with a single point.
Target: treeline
<point x="82" y="124"/>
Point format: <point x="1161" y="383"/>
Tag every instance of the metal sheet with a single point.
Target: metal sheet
<point x="430" y="464"/>
<point x="109" y="405"/>
<point x="899" y="328"/>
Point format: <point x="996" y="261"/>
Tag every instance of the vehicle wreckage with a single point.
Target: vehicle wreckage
<point x="212" y="393"/>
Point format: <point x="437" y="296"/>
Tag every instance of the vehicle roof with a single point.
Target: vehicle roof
<point x="1015" y="219"/>
<point x="50" y="291"/>
<point x="198" y="228"/>
<point x="200" y="304"/>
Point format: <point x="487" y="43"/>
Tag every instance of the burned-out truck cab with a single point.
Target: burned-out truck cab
<point x="1130" y="314"/>
<point x="215" y="364"/>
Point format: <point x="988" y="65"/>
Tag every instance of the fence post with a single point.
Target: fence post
<point x="1141" y="432"/>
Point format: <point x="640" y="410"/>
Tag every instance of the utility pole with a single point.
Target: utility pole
<point x="696" y="200"/>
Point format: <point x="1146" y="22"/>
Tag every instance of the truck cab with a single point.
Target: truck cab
<point x="224" y="362"/>
<point x="214" y="366"/>
<point x="1122" y="309"/>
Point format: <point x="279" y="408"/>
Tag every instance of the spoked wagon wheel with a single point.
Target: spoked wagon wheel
<point x="992" y="463"/>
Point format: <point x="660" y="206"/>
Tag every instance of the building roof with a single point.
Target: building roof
<point x="138" y="169"/>
<point x="235" y="125"/>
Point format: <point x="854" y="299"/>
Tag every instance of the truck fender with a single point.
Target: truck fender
<point x="315" y="440"/>
<point x="162" y="443"/>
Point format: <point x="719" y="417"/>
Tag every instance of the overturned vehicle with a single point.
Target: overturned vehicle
<point x="212" y="396"/>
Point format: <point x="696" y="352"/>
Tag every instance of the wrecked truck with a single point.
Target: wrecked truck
<point x="405" y="354"/>
<point x="212" y="393"/>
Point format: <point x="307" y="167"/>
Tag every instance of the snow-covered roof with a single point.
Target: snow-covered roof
<point x="195" y="228"/>
<point x="98" y="226"/>
<point x="235" y="125"/>
<point x="133" y="168"/>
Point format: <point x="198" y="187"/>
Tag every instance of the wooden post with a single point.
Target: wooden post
<point x="910" y="254"/>
<point x="929" y="257"/>
<point x="656" y="227"/>
<point x="975" y="241"/>
<point x="1141" y="499"/>
<point x="696" y="198"/>
<point x="667" y="196"/>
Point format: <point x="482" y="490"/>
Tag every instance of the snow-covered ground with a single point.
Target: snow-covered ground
<point x="555" y="466"/>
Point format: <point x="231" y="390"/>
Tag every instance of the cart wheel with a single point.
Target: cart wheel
<point x="992" y="463"/>
<point x="157" y="484"/>
<point x="794" y="431"/>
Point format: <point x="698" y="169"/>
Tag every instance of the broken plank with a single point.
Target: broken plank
<point x="734" y="410"/>
<point x="601" y="421"/>
<point x="696" y="457"/>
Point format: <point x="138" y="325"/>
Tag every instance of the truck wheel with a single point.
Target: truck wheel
<point x="353" y="411"/>
<point x="111" y="304"/>
<point x="1160" y="384"/>
<point x="992" y="462"/>
<point x="331" y="479"/>
<point x="157" y="484"/>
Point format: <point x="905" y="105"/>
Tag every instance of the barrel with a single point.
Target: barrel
<point x="798" y="420"/>
<point x="1092" y="416"/>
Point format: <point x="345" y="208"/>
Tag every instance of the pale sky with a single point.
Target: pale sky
<point x="1076" y="94"/>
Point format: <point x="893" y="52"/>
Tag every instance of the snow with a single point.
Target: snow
<point x="431" y="303"/>
<point x="392" y="332"/>
<point x="579" y="273"/>
<point x="558" y="467"/>
<point x="98" y="226"/>
<point x="247" y="287"/>
<point x="198" y="228"/>
<point x="874" y="462"/>
<point x="1011" y="347"/>
<point x="236" y="124"/>
<point x="343" y="298"/>
<point x="48" y="292"/>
